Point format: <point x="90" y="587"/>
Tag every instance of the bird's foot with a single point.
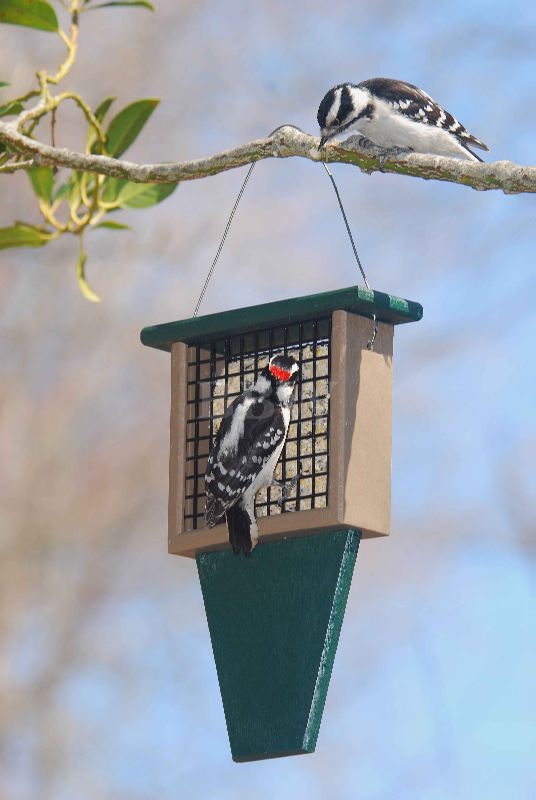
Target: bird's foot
<point x="383" y="154"/>
<point x="360" y="141"/>
<point x="286" y="488"/>
<point x="392" y="153"/>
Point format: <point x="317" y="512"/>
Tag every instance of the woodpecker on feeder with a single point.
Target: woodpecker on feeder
<point x="394" y="115"/>
<point x="246" y="449"/>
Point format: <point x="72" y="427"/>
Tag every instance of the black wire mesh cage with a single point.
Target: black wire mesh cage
<point x="220" y="370"/>
<point x="339" y="438"/>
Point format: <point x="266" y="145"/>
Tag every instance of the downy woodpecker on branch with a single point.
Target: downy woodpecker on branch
<point x="246" y="449"/>
<point x="392" y="114"/>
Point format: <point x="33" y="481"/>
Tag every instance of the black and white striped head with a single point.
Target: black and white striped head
<point x="278" y="378"/>
<point x="281" y="370"/>
<point x="341" y="108"/>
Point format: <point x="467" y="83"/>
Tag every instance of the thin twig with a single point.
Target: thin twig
<point x="88" y="113"/>
<point x="17" y="165"/>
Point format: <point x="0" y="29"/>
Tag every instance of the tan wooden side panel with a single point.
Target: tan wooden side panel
<point x="337" y="414"/>
<point x="368" y="427"/>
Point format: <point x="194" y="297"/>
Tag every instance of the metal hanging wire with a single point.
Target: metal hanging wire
<point x="332" y="179"/>
<point x="220" y="248"/>
<point x="226" y="231"/>
<point x="370" y="343"/>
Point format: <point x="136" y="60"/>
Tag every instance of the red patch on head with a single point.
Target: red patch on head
<point x="280" y="374"/>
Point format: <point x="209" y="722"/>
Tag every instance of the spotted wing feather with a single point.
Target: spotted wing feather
<point x="411" y="101"/>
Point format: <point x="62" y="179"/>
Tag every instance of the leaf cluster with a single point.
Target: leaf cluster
<point x="72" y="202"/>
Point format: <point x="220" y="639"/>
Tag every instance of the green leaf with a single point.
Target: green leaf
<point x="111" y="188"/>
<point x="22" y="235"/>
<point x="119" y="190"/>
<point x="125" y="126"/>
<point x="114" y="226"/>
<point x="143" y="3"/>
<point x="83" y="285"/>
<point x="103" y="107"/>
<point x="127" y="194"/>
<point x="62" y="191"/>
<point x="31" y="13"/>
<point x="14" y="107"/>
<point x="152" y="194"/>
<point x="3" y="83"/>
<point x="42" y="180"/>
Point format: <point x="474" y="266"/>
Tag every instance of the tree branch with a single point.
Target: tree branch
<point x="15" y="166"/>
<point x="285" y="142"/>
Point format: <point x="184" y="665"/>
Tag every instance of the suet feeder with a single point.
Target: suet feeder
<point x="275" y="618"/>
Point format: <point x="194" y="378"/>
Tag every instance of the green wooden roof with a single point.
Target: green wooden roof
<point x="354" y="299"/>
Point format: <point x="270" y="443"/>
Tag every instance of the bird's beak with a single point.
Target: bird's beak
<point x="323" y="140"/>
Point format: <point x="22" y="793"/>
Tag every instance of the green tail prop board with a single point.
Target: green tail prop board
<point x="274" y="622"/>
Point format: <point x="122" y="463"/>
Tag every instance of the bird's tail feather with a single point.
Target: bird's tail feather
<point x="239" y="525"/>
<point x="474" y="155"/>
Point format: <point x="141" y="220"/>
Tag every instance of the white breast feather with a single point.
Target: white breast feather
<point x="236" y="431"/>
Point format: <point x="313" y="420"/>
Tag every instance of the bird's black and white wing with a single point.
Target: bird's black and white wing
<point x="247" y="445"/>
<point x="415" y="104"/>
